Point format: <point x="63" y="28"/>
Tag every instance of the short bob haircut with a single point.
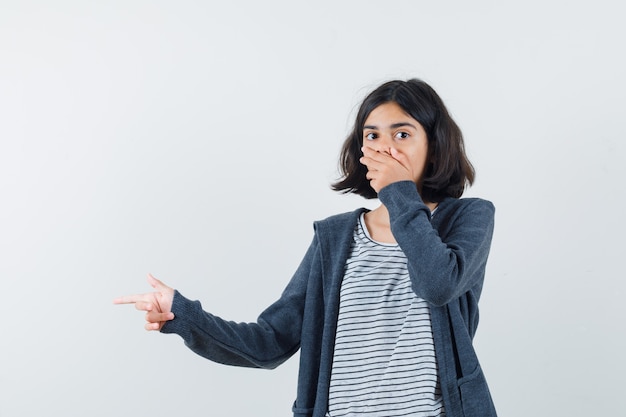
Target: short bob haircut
<point x="448" y="170"/>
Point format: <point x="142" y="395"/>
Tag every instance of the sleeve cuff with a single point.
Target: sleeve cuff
<point x="398" y="196"/>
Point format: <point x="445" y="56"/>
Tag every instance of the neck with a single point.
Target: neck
<point x="381" y="215"/>
<point x="379" y="226"/>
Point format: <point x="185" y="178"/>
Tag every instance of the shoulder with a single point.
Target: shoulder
<point x="473" y="210"/>
<point x="461" y="204"/>
<point x="469" y="202"/>
<point x="333" y="234"/>
<point x="338" y="221"/>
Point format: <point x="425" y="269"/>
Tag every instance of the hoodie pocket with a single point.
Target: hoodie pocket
<point x="301" y="412"/>
<point x="475" y="396"/>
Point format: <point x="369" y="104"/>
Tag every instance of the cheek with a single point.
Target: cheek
<point x="418" y="161"/>
<point x="418" y="154"/>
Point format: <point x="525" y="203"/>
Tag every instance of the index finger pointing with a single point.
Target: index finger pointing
<point x="128" y="299"/>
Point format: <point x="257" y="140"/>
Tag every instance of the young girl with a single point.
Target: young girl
<point x="384" y="305"/>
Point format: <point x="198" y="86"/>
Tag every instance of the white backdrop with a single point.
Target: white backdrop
<point x="196" y="140"/>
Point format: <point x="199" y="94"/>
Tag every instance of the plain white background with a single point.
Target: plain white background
<point x="197" y="140"/>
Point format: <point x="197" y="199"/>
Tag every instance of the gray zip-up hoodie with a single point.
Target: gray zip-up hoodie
<point x="446" y="257"/>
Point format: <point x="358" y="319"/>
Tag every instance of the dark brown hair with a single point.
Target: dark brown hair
<point x="448" y="170"/>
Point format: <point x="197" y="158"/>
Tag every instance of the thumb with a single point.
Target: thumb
<point x="155" y="283"/>
<point x="400" y="157"/>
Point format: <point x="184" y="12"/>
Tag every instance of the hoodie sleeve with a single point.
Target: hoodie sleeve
<point x="266" y="343"/>
<point x="440" y="269"/>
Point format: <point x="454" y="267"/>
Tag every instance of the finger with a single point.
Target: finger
<point x="367" y="162"/>
<point x="400" y="157"/>
<point x="129" y="299"/>
<point x="152" y="326"/>
<point x="144" y="305"/>
<point x="373" y="154"/>
<point x="383" y="161"/>
<point x="372" y="162"/>
<point x="373" y="165"/>
<point x="156" y="284"/>
<point x="378" y="160"/>
<point x="156" y="317"/>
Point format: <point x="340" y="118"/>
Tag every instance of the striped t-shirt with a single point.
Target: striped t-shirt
<point x="384" y="361"/>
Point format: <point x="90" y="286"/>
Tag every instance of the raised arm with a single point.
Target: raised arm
<point x="446" y="257"/>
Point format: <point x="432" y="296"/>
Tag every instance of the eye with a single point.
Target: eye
<point x="371" y="136"/>
<point x="402" y="135"/>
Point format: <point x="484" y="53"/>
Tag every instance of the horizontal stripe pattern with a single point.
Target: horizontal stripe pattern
<point x="384" y="361"/>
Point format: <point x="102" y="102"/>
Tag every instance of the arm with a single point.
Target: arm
<point x="440" y="269"/>
<point x="268" y="342"/>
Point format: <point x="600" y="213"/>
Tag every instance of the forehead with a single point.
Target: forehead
<point x="387" y="114"/>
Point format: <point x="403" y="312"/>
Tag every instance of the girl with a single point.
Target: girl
<point x="384" y="305"/>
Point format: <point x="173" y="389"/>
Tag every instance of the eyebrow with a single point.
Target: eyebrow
<point x="393" y="126"/>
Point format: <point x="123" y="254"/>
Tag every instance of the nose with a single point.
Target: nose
<point x="383" y="144"/>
